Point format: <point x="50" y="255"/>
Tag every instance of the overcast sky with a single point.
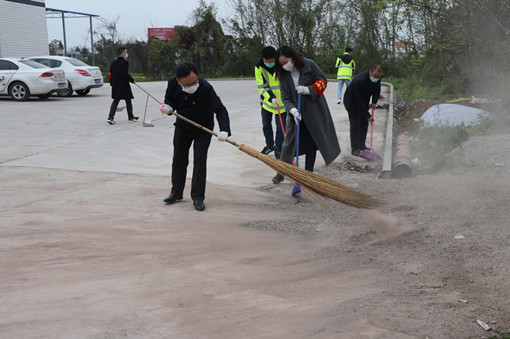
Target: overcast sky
<point x="135" y="16"/>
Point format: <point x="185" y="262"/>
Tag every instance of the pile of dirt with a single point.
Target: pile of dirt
<point x="439" y="243"/>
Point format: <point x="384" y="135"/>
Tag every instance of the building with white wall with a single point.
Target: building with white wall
<point x="23" y="28"/>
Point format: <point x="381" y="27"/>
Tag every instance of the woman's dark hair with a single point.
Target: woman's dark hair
<point x="286" y="51"/>
<point x="184" y="69"/>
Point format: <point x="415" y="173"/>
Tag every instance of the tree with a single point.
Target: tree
<point x="207" y="45"/>
<point x="307" y="26"/>
<point x="55" y="46"/>
<point x="162" y="59"/>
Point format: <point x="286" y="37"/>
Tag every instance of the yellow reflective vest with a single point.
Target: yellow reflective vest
<point x="269" y="87"/>
<point x="345" y="70"/>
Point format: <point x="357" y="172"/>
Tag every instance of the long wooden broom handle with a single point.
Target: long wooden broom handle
<point x="189" y="120"/>
<point x="203" y="128"/>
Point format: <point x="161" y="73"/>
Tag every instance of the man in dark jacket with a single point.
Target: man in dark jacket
<point x="195" y="99"/>
<point x="357" y="101"/>
<point x="119" y="80"/>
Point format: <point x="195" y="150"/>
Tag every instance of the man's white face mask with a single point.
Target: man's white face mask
<point x="190" y="89"/>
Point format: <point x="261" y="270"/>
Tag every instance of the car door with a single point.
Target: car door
<point x="7" y="70"/>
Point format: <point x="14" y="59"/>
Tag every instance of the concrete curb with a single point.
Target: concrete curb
<point x="388" y="147"/>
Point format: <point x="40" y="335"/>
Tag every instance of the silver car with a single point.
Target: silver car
<point x="22" y="78"/>
<point x="80" y="76"/>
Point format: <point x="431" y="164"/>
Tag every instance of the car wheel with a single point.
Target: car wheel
<point x="19" y="91"/>
<point x="66" y="92"/>
<point x="83" y="92"/>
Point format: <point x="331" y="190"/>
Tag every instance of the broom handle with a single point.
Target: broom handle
<point x="372" y="129"/>
<point x="145" y="112"/>
<point x="281" y="121"/>
<point x="202" y="128"/>
<point x="189" y="120"/>
<point x="140" y="87"/>
<point x="297" y="132"/>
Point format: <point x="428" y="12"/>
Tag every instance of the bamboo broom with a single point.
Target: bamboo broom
<point x="309" y="180"/>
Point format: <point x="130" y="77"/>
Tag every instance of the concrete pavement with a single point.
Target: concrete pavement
<point x="72" y="133"/>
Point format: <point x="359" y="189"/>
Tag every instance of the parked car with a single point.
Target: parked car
<point x="80" y="76"/>
<point x="22" y="78"/>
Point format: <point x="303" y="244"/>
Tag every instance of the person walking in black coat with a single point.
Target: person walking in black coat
<point x="357" y="96"/>
<point x="121" y="90"/>
<point x="194" y="98"/>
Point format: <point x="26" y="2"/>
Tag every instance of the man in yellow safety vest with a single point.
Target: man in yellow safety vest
<point x="346" y="65"/>
<point x="268" y="86"/>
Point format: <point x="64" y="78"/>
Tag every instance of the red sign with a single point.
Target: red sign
<point x="161" y="33"/>
<point x="400" y="44"/>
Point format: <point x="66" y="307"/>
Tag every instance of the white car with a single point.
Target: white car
<point x="22" y="78"/>
<point x="80" y="76"/>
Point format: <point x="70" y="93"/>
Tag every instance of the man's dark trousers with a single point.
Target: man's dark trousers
<point x="182" y="143"/>
<point x="358" y="131"/>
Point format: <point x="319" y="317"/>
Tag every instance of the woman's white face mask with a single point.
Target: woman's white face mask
<point x="289" y="66"/>
<point x="190" y="89"/>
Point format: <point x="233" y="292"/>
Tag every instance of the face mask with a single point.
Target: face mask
<point x="269" y="64"/>
<point x="289" y="66"/>
<point x="190" y="89"/>
<point x="126" y="56"/>
<point x="374" y="80"/>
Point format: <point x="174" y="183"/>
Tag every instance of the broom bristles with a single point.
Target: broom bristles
<point x="315" y="182"/>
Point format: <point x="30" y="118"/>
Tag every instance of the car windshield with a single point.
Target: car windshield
<point x="76" y="62"/>
<point x="32" y="63"/>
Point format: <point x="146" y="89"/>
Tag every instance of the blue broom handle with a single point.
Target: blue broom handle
<point x="297" y="134"/>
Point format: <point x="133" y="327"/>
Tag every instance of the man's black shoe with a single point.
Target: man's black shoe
<point x="266" y="150"/>
<point x="278" y="178"/>
<point x="277" y="155"/>
<point x="356" y="153"/>
<point x="172" y="198"/>
<point x="199" y="205"/>
<point x="133" y="119"/>
<point x="110" y="121"/>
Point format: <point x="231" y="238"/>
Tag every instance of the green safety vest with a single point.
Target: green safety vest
<point x="267" y="83"/>
<point x="345" y="70"/>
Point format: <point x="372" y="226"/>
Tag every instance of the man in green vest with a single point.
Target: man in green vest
<point x="268" y="86"/>
<point x="346" y="65"/>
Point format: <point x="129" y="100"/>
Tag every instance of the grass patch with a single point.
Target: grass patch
<point x="503" y="335"/>
<point x="409" y="89"/>
<point x="432" y="143"/>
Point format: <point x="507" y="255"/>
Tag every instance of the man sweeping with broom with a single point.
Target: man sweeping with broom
<point x="193" y="98"/>
<point x="312" y="182"/>
<point x="357" y="96"/>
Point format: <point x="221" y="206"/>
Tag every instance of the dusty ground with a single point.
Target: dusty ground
<point x="438" y="248"/>
<point x="95" y="254"/>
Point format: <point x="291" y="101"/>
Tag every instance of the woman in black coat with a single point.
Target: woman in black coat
<point x="121" y="90"/>
<point x="302" y="76"/>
